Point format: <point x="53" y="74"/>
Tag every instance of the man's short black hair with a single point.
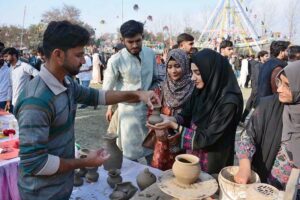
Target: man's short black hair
<point x="261" y="54"/>
<point x="64" y="35"/>
<point x="11" y="51"/>
<point x="226" y="43"/>
<point x="131" y="28"/>
<point x="278" y="46"/>
<point x="293" y="51"/>
<point x="184" y="37"/>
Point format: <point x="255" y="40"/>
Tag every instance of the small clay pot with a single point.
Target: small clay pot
<point x="116" y="156"/>
<point x="126" y="188"/>
<point x="82" y="172"/>
<point x="114" y="177"/>
<point x="186" y="169"/>
<point x="92" y="174"/>
<point x="117" y="195"/>
<point x="78" y="181"/>
<point x="155" y="117"/>
<point x="145" y="179"/>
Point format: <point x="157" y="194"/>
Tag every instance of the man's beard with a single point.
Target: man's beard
<point x="135" y="54"/>
<point x="71" y="70"/>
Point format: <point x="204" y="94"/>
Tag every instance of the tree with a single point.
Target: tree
<point x="69" y="13"/>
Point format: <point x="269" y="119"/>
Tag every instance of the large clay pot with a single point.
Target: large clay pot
<point x="114" y="177"/>
<point x="145" y="179"/>
<point x="155" y="117"/>
<point x="116" y="157"/>
<point x="186" y="169"/>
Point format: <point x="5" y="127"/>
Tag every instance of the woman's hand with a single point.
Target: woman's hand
<point x="168" y="122"/>
<point x="244" y="174"/>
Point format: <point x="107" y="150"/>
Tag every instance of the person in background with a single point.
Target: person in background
<point x="21" y="72"/>
<point x="5" y="86"/>
<point x="132" y="68"/>
<point x="269" y="70"/>
<point x="185" y="42"/>
<point x="293" y="53"/>
<point x="98" y="67"/>
<point x="85" y="74"/>
<point x="226" y="49"/>
<point x="244" y="71"/>
<point x="263" y="56"/>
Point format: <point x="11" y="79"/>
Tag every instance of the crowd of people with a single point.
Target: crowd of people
<point x="199" y="92"/>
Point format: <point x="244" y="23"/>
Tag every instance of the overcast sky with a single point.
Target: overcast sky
<point x="174" y="13"/>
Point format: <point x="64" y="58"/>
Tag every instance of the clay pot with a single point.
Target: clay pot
<point x="78" y="181"/>
<point x="82" y="172"/>
<point x="117" y="195"/>
<point x="116" y="157"/>
<point x="155" y="117"/>
<point x="145" y="179"/>
<point x="186" y="169"/>
<point x="126" y="188"/>
<point x="114" y="177"/>
<point x="92" y="174"/>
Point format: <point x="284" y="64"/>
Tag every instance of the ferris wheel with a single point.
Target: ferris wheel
<point x="229" y="20"/>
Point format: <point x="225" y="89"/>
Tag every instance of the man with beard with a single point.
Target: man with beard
<point x="46" y="114"/>
<point x="132" y="68"/>
<point x="5" y="86"/>
<point x="21" y="72"/>
<point x="269" y="70"/>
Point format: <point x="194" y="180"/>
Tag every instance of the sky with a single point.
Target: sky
<point x="176" y="14"/>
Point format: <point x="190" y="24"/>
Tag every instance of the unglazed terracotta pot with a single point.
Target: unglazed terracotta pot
<point x="145" y="179"/>
<point x="155" y="117"/>
<point x="114" y="177"/>
<point x="116" y="156"/>
<point x="92" y="174"/>
<point x="78" y="181"/>
<point x="186" y="169"/>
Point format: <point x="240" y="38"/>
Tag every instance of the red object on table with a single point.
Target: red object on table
<point x="6" y="132"/>
<point x="13" y="149"/>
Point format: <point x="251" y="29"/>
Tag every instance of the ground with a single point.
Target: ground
<point x="90" y="124"/>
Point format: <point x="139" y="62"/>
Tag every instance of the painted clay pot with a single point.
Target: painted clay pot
<point x="155" y="117"/>
<point x="78" y="181"/>
<point x="186" y="169"/>
<point x="92" y="174"/>
<point x="114" y="177"/>
<point x="116" y="157"/>
<point x="145" y="179"/>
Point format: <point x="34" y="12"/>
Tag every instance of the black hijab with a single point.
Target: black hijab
<point x="220" y="85"/>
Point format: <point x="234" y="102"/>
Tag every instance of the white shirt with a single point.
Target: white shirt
<point x="86" y="76"/>
<point x="20" y="76"/>
<point x="5" y="83"/>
